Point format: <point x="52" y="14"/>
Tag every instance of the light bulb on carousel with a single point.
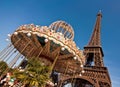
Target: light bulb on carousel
<point x="80" y="74"/>
<point x="63" y="48"/>
<point x="7" y="39"/>
<point x="15" y="33"/>
<point x="29" y="34"/>
<point x="46" y="40"/>
<point x="81" y="66"/>
<point x="83" y="71"/>
<point x="9" y="35"/>
<point x="74" y="57"/>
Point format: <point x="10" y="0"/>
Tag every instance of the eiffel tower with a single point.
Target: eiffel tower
<point x="94" y="67"/>
<point x="95" y="73"/>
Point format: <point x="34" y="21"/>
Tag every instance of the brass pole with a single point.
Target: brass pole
<point x="21" y="61"/>
<point x="64" y="74"/>
<point x="7" y="53"/>
<point x="4" y="50"/>
<point x="11" y="48"/>
<point x="14" y="51"/>
<point x="54" y="61"/>
<point x="7" y="59"/>
<point x="73" y="77"/>
<point x="18" y="55"/>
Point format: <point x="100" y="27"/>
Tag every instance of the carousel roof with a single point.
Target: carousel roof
<point x="64" y="28"/>
<point x="49" y="43"/>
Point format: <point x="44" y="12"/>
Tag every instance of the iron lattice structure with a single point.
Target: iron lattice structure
<point x="54" y="45"/>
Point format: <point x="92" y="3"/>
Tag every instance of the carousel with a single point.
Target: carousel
<point x="54" y="45"/>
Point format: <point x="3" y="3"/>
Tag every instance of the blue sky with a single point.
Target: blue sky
<point x="81" y="14"/>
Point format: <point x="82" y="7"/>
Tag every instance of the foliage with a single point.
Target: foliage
<point x="3" y="67"/>
<point x="35" y="73"/>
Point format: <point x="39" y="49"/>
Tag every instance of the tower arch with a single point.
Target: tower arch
<point x="78" y="82"/>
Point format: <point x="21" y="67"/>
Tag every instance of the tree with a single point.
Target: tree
<point x="3" y="67"/>
<point x="35" y="74"/>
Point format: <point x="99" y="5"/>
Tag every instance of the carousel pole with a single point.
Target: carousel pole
<point x="18" y="55"/>
<point x="74" y="74"/>
<point x="5" y="53"/>
<point x="4" y="50"/>
<point x="55" y="60"/>
<point x="11" y="64"/>
<point x="8" y="52"/>
<point x="72" y="80"/>
<point x="61" y="82"/>
<point x="40" y="53"/>
<point x="23" y="58"/>
<point x="7" y="58"/>
<point x="29" y="53"/>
